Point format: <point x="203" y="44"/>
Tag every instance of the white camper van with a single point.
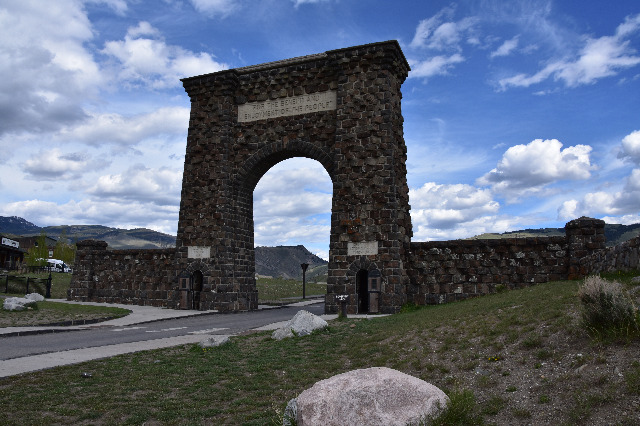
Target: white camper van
<point x="57" y="265"/>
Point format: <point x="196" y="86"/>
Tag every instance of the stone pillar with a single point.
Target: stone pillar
<point x="82" y="280"/>
<point x="584" y="236"/>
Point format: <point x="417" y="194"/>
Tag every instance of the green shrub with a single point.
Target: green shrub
<point x="606" y="308"/>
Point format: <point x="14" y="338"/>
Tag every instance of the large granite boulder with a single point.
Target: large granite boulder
<point x="371" y="396"/>
<point x="303" y="323"/>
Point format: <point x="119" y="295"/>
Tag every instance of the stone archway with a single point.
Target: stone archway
<point x="341" y="108"/>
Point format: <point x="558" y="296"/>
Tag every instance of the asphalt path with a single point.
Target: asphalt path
<point x="222" y="324"/>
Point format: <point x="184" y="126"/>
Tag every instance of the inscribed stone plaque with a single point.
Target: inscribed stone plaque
<point x="198" y="252"/>
<point x="362" y="249"/>
<point x="284" y="107"/>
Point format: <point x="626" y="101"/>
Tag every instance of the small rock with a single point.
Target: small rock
<point x="17" y="303"/>
<point x="35" y="297"/>
<point x="213" y="341"/>
<point x="303" y="323"/>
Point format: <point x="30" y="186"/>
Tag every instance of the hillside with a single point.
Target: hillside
<point x="281" y="261"/>
<point x="614" y="233"/>
<point x="285" y="261"/>
<point x="115" y="237"/>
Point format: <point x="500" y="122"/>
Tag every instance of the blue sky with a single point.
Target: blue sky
<point x="518" y="114"/>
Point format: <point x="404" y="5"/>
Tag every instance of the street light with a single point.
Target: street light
<point x="304" y="267"/>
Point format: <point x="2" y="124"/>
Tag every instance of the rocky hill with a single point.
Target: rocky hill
<point x="285" y="261"/>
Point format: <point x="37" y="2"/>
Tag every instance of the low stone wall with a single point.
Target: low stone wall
<point x="444" y="271"/>
<point x="439" y="271"/>
<point x="135" y="277"/>
<point x="623" y="257"/>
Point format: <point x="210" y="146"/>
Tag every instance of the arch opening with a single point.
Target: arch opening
<point x="292" y="204"/>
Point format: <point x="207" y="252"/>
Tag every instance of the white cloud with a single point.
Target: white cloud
<point x="161" y="187"/>
<point x="213" y="8"/>
<point x="506" y="48"/>
<point x="293" y="193"/>
<point x="631" y="147"/>
<point x="46" y="72"/>
<point x="446" y="207"/>
<point x="625" y="202"/>
<point x="143" y="58"/>
<point x="132" y="214"/>
<point x="54" y="165"/>
<point x="101" y="129"/>
<point x="437" y="65"/>
<point x="441" y="33"/>
<point x="526" y="169"/>
<point x="299" y="2"/>
<point x="598" y="58"/>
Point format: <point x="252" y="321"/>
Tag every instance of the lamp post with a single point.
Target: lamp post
<point x="304" y="267"/>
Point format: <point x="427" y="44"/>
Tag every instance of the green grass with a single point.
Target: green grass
<point x="249" y="380"/>
<point x="48" y="312"/>
<point x="278" y="290"/>
<point x="17" y="286"/>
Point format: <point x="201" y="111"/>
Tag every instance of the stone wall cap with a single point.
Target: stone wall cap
<point x="297" y="60"/>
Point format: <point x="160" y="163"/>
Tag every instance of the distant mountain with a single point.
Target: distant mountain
<point x="281" y="261"/>
<point x="614" y="233"/>
<point x="116" y="238"/>
<point x="285" y="261"/>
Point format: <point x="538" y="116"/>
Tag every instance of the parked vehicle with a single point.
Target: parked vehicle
<point x="57" y="265"/>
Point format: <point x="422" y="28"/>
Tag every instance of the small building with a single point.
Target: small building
<point x="27" y="242"/>
<point x="11" y="254"/>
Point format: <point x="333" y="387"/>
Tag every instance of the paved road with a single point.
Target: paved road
<point x="98" y="336"/>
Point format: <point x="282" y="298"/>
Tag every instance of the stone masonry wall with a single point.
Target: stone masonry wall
<point x="135" y="277"/>
<point x="445" y="271"/>
<point x="623" y="257"/>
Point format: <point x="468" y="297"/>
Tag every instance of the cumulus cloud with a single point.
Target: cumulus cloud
<point x="160" y="187"/>
<point x="54" y="165"/>
<point x="111" y="128"/>
<point x="293" y="193"/>
<point x="622" y="203"/>
<point x="631" y="147"/>
<point x="449" y="207"/>
<point x="526" y="169"/>
<point x="45" y="70"/>
<point x="598" y="58"/>
<point x="506" y="48"/>
<point x="144" y="59"/>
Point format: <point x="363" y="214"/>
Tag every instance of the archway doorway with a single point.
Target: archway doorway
<point x="196" y="289"/>
<point x="362" y="290"/>
<point x="292" y="223"/>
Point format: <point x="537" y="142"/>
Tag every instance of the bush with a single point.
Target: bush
<point x="607" y="308"/>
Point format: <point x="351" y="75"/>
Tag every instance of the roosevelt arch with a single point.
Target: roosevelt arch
<point x="341" y="108"/>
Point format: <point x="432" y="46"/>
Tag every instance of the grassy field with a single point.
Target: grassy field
<point x="49" y="313"/>
<point x="517" y="357"/>
<point x="278" y="291"/>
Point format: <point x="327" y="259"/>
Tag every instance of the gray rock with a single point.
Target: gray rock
<point x="635" y="280"/>
<point x="17" y="303"/>
<point x="303" y="323"/>
<point x="372" y="396"/>
<point x="35" y="297"/>
<point x="214" y="341"/>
